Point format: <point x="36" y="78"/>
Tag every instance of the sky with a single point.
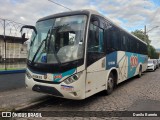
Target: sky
<point x="129" y="14"/>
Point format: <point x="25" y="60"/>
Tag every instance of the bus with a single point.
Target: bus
<point x="77" y="54"/>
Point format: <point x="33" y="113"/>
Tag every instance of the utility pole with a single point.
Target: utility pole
<point x="145" y="33"/>
<point x="145" y="30"/>
<point x="4" y="35"/>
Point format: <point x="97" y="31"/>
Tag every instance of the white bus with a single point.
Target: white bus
<point x="79" y="53"/>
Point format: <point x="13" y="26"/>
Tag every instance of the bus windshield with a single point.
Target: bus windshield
<point x="58" y="40"/>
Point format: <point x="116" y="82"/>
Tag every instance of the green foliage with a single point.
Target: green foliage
<point x="141" y="35"/>
<point x="151" y="50"/>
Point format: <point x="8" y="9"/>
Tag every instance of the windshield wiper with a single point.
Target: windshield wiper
<point x="48" y="37"/>
<point x="40" y="47"/>
<point x="38" y="50"/>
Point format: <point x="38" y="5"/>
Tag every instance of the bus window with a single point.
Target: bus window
<point x="124" y="41"/>
<point x="95" y="49"/>
<point x="115" y="39"/>
<point x="95" y="42"/>
<point x="112" y="39"/>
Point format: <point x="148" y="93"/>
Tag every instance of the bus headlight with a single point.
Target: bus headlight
<point x="28" y="75"/>
<point x="73" y="78"/>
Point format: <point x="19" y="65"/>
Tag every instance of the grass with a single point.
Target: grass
<point x="2" y="69"/>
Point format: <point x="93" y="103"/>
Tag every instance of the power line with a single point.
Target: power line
<point x="12" y="21"/>
<point x="60" y="5"/>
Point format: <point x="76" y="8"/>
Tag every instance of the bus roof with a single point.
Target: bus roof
<point x="87" y="12"/>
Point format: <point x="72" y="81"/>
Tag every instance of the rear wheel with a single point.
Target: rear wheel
<point x="110" y="84"/>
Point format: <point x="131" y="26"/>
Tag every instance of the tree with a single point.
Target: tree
<point x="151" y="50"/>
<point x="141" y="35"/>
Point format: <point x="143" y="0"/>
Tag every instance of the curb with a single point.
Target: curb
<point x="12" y="71"/>
<point x="29" y="105"/>
<point x="25" y="106"/>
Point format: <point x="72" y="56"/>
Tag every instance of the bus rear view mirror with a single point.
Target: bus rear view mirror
<point x="23" y="34"/>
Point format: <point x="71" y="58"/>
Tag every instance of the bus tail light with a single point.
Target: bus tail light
<point x="73" y="78"/>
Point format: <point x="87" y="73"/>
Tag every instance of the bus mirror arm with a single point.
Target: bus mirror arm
<point x="23" y="35"/>
<point x="29" y="27"/>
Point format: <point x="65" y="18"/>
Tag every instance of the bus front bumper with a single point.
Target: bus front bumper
<point x="74" y="90"/>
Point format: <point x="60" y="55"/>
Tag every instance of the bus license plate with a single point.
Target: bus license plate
<point x="37" y="77"/>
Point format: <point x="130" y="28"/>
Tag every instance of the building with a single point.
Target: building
<point x="16" y="51"/>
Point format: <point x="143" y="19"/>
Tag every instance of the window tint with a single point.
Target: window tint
<point x="123" y="42"/>
<point x="116" y="39"/>
<point x="95" y="48"/>
<point x="112" y="38"/>
<point x="95" y="43"/>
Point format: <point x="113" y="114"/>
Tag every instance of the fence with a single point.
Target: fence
<point x="13" y="52"/>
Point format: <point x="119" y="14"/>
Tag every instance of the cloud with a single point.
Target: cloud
<point x="130" y="14"/>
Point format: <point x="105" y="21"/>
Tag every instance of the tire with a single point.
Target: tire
<point x="140" y="72"/>
<point x="110" y="84"/>
<point x="153" y="70"/>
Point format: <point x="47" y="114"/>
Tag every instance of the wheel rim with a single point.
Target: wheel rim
<point x="110" y="83"/>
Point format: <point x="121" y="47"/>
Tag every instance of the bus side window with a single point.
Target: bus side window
<point x="112" y="39"/>
<point x="138" y="51"/>
<point x="124" y="43"/>
<point x="95" y="41"/>
<point x="95" y="48"/>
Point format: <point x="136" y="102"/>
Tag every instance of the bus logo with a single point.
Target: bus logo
<point x="58" y="76"/>
<point x="134" y="61"/>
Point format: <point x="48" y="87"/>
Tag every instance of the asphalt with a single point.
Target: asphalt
<point x="12" y="81"/>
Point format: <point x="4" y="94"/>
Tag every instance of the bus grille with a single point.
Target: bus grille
<point x="43" y="81"/>
<point x="46" y="89"/>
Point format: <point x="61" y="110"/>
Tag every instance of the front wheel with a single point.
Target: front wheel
<point x="110" y="84"/>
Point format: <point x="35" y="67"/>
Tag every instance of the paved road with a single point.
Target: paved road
<point x="11" y="81"/>
<point x="136" y="94"/>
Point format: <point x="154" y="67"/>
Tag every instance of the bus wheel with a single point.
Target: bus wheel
<point x="140" y="72"/>
<point x="110" y="84"/>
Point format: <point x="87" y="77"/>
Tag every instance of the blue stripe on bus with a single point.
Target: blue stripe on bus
<point x="131" y="70"/>
<point x="67" y="73"/>
<point x="111" y="60"/>
<point x="141" y="59"/>
<point x="64" y="74"/>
